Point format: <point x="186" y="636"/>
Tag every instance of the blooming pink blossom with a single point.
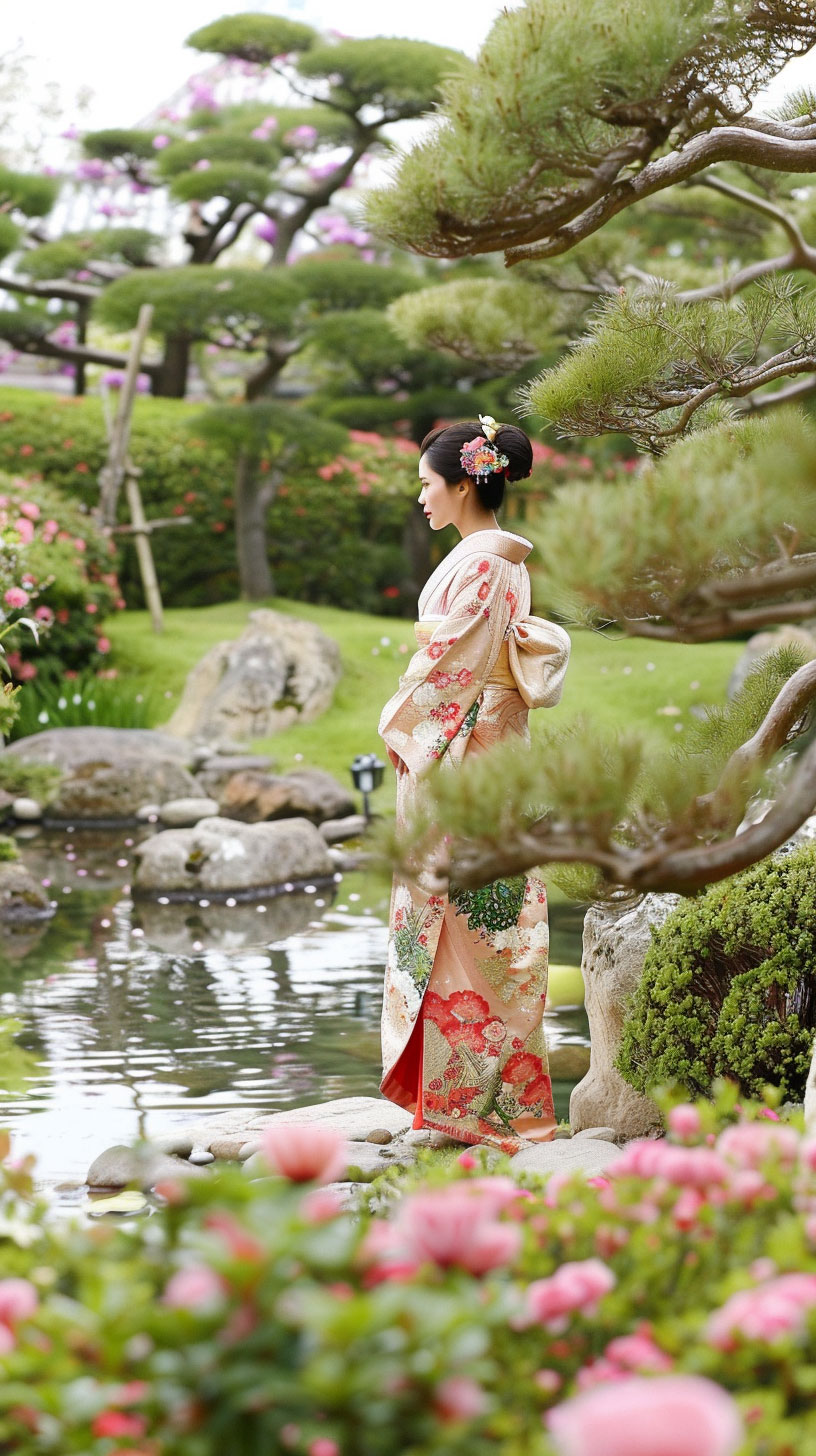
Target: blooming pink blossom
<point x="751" y="1144"/>
<point x="18" y="1300"/>
<point x="685" y="1121"/>
<point x="573" y="1287"/>
<point x="323" y="1446"/>
<point x="196" y="1287"/>
<point x="456" y="1226"/>
<point x="161" y="141"/>
<point x="103" y="644"/>
<point x="459" y="1399"/>
<point x="687" y="1167"/>
<point x="638" y="1352"/>
<point x="765" y="1313"/>
<point x="304" y="1153"/>
<point x="669" y="1415"/>
<point x="320" y="1205"/>
<point x="24" y="529"/>
<point x="30" y="509"/>
<point x="15" y="597"/>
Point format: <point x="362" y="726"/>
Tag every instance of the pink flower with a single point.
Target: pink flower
<point x="161" y="141"/>
<point x="459" y="1399"/>
<point x="118" y="1423"/>
<point x="651" y="1158"/>
<point x="637" y="1352"/>
<point x="685" y="1121"/>
<point x="30" y="509"/>
<point x="456" y="1226"/>
<point x="573" y="1287"/>
<point x="304" y="1153"/>
<point x="670" y="1415"/>
<point x="16" y="597"/>
<point x="25" y="530"/>
<point x="751" y="1144"/>
<point x="103" y="644"/>
<point x="91" y="608"/>
<point x="18" y="1300"/>
<point x="467" y="1161"/>
<point x="766" y="1313"/>
<point x="323" y="1446"/>
<point x="320" y="1205"/>
<point x="194" y="1288"/>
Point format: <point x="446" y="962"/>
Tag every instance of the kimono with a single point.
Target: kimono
<point x="466" y="971"/>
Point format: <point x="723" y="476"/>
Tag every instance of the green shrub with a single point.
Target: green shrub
<point x="260" y="1316"/>
<point x="728" y="985"/>
<point x="8" y="849"/>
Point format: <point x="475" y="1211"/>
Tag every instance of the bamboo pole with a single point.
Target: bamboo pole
<point x="113" y="472"/>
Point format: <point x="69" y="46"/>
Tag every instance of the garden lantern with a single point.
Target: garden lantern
<point x="367" y="772"/>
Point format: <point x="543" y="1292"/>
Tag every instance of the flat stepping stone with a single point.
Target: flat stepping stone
<point x="355" y="1118"/>
<point x="578" y="1155"/>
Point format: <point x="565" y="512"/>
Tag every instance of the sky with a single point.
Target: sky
<point x="133" y="58"/>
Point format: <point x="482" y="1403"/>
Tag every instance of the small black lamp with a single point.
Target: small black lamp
<point x="367" y="772"/>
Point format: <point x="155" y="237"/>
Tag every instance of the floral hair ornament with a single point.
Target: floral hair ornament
<point x="480" y="456"/>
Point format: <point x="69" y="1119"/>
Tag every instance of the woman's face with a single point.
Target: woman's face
<point x="442" y="503"/>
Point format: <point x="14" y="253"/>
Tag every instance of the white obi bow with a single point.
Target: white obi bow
<point x="538" y="653"/>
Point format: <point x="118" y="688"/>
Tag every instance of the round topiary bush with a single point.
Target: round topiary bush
<point x="729" y="985"/>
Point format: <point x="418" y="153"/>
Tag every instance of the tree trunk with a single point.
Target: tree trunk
<point x="416" y="543"/>
<point x="172" y="378"/>
<point x="251" y="504"/>
<point x="83" y="309"/>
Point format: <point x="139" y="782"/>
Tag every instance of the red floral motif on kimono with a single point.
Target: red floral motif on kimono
<point x="445" y="712"/>
<point x="510" y="598"/>
<point x="464" y="677"/>
<point x="435" y="649"/>
<point x="484" y="591"/>
<point x="483" y="566"/>
<point x="440" y="679"/>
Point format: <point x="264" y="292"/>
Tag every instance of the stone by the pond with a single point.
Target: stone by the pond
<point x="125" y="1204"/>
<point x="353" y="1117"/>
<point x="109" y="773"/>
<point x="148" y="812"/>
<point x="334" y="831"/>
<point x="183" y="813"/>
<point x="217" y="769"/>
<point x="616" y="939"/>
<point x="578" y="1155"/>
<point x="26" y="809"/>
<point x="310" y="793"/>
<point x="605" y="1134"/>
<point x="380" y="1135"/>
<point x="176" y="1144"/>
<point x="144" y="1165"/>
<point x="221" y="855"/>
<point x="281" y="670"/>
<point x="22" y="897"/>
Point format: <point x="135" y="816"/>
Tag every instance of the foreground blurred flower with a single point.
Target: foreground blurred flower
<point x="304" y="1154"/>
<point x="768" y="1313"/>
<point x="195" y="1288"/>
<point x="671" y="1415"/>
<point x="18" y="1300"/>
<point x="459" y="1399"/>
<point x="456" y="1226"/>
<point x="576" y="1286"/>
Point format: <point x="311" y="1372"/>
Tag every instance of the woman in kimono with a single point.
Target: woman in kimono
<point x="466" y="973"/>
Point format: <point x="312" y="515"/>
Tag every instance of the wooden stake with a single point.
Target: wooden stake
<point x="113" y="473"/>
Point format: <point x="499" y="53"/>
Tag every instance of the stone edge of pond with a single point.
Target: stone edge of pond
<point x="245" y="896"/>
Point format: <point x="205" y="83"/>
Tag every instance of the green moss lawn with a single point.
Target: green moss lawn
<point x="617" y="682"/>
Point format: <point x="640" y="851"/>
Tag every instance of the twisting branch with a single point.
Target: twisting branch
<point x="661" y="865"/>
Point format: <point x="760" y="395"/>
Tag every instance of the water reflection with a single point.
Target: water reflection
<point x="135" y="1018"/>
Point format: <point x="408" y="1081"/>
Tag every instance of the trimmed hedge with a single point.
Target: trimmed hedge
<point x="728" y="986"/>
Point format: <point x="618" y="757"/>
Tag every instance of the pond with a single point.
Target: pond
<point x="132" y="1019"/>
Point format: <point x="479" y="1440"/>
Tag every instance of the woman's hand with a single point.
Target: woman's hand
<point x="398" y="763"/>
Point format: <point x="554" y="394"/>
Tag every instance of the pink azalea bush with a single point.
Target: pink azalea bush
<point x="56" y="571"/>
<point x="459" y="1311"/>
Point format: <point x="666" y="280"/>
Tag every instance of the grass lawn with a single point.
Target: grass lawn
<point x="618" y="682"/>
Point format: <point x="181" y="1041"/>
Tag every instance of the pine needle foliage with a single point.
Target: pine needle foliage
<point x="253" y="37"/>
<point x="398" y="76"/>
<point x="559" y="90"/>
<point x="75" y="251"/>
<point x="598" y="789"/>
<point x="198" y="302"/>
<point x="716" y="505"/>
<point x="648" y="362"/>
<point x="496" y="322"/>
<point x="729" y="986"/>
<point x="226" y="145"/>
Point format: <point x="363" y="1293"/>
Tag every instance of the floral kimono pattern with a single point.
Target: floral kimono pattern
<point x="466" y="972"/>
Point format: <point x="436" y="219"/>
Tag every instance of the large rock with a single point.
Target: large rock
<point x="108" y="773"/>
<point x="220" y="856"/>
<point x="280" y="671"/>
<point x="217" y="769"/>
<point x="310" y="793"/>
<point x="782" y="636"/>
<point x="616" y="939"/>
<point x="22" y="897"/>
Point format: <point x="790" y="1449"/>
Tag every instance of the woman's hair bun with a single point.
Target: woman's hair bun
<point x="513" y="443"/>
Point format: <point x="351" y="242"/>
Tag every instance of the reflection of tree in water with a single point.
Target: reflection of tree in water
<point x="206" y="1024"/>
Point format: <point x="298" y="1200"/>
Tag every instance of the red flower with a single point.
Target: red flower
<point x="464" y="676"/>
<point x="439" y="679"/>
<point x="468" y="1005"/>
<point x="81" y="468"/>
<point x="486" y="612"/>
<point x="26" y="449"/>
<point x="178" y="510"/>
<point x="521" y="1067"/>
<point x="484" y="591"/>
<point x="219" y="526"/>
<point x="118" y="1423"/>
<point x="448" y="712"/>
<point x="391" y="591"/>
<point x="468" y="1033"/>
<point x="536" y="1093"/>
<point x="483" y="566"/>
<point x="435" y="650"/>
<point x="510" y="596"/>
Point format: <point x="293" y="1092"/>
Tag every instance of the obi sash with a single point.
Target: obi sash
<point x="532" y="660"/>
